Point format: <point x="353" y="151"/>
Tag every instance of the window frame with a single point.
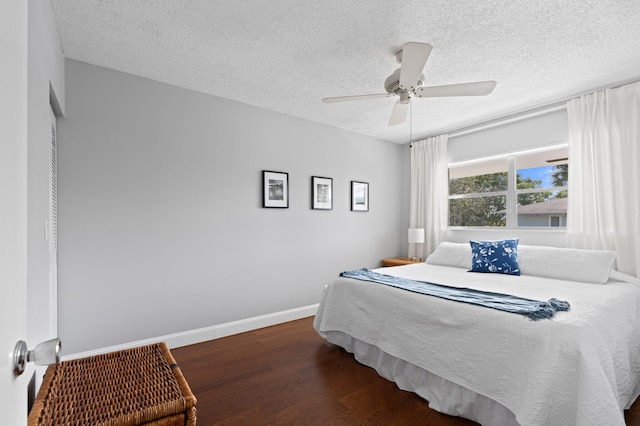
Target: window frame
<point x="511" y="193"/>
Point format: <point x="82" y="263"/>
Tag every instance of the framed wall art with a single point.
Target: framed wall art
<point x="359" y="196"/>
<point x="321" y="193"/>
<point x="275" y="189"/>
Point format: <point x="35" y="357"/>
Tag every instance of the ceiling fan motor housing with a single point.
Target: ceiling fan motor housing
<point x="392" y="83"/>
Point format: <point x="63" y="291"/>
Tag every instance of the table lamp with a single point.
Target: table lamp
<point x="416" y="236"/>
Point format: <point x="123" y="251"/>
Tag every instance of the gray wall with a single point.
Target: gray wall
<point x="161" y="228"/>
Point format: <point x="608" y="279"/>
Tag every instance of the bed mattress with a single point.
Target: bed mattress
<point x="579" y="368"/>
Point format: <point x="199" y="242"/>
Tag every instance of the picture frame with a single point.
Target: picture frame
<point x="359" y="196"/>
<point x="275" y="189"/>
<point x="321" y="193"/>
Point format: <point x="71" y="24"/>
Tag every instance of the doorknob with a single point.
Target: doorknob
<point x="45" y="353"/>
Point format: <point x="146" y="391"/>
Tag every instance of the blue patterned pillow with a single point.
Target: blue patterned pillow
<point x="500" y="257"/>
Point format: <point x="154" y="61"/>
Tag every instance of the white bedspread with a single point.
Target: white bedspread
<point x="580" y="368"/>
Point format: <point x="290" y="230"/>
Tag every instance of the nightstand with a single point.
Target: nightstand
<point x="399" y="261"/>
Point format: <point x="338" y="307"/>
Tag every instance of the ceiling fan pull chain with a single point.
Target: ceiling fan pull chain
<point x="410" y="124"/>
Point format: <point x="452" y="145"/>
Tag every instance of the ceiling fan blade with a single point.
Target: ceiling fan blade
<point x="479" y="88"/>
<point x="354" y="98"/>
<point x="399" y="113"/>
<point x="414" y="58"/>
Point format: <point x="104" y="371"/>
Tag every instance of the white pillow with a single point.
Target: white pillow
<point x="589" y="266"/>
<point x="451" y="254"/>
<point x="621" y="276"/>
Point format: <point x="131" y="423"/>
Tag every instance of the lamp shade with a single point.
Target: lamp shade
<point x="416" y="235"/>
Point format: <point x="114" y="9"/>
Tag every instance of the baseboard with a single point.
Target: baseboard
<point x="199" y="335"/>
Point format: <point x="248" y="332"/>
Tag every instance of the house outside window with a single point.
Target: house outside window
<point x="526" y="190"/>
<point x="552" y="213"/>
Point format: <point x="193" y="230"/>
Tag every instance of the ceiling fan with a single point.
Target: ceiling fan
<point x="406" y="82"/>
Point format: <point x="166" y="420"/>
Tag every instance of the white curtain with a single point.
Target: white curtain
<point x="429" y="203"/>
<point x="604" y="174"/>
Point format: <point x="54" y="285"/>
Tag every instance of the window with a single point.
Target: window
<point x="527" y="189"/>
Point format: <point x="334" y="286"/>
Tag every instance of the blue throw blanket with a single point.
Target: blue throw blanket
<point x="533" y="309"/>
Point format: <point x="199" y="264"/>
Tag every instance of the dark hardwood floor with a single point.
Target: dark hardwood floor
<point x="288" y="375"/>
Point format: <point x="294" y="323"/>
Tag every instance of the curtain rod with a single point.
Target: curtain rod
<point x="522" y="115"/>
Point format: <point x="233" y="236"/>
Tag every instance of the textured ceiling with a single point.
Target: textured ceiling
<point x="286" y="55"/>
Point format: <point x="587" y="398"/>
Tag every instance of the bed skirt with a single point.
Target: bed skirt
<point x="442" y="395"/>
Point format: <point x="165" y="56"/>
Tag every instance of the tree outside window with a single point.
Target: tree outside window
<point x="482" y="199"/>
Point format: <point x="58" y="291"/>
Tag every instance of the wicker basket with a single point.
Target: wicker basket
<point x="132" y="387"/>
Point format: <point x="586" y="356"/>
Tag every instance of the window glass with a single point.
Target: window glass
<point x="494" y="182"/>
<point x="478" y="211"/>
<point x="541" y="181"/>
<point x="536" y="182"/>
<point x="543" y="176"/>
<point x="546" y="169"/>
<point x="547" y="211"/>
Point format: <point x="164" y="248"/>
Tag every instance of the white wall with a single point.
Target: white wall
<point x="161" y="228"/>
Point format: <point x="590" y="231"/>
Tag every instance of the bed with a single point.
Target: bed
<point x="581" y="367"/>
